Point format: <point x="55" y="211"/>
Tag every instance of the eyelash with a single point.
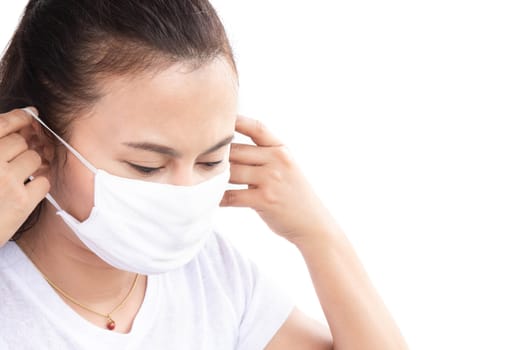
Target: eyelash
<point x="212" y="164"/>
<point x="143" y="169"/>
<point x="149" y="171"/>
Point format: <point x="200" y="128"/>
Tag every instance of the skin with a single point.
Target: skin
<point x="188" y="112"/>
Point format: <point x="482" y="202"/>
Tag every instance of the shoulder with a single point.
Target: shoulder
<point x="250" y="291"/>
<point x="10" y="255"/>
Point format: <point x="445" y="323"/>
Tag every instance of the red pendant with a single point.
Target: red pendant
<point x="111" y="324"/>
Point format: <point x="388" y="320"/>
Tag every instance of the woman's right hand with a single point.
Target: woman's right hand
<point x="17" y="163"/>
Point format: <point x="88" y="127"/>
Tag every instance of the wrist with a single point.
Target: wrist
<point x="320" y="239"/>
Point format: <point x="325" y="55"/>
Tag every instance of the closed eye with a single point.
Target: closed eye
<point x="211" y="164"/>
<point x="144" y="169"/>
<point x="150" y="170"/>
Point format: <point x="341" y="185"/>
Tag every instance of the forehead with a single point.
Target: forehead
<point x="176" y="104"/>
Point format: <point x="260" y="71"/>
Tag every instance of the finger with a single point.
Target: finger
<point x="239" y="198"/>
<point x="249" y="154"/>
<point x="257" y="131"/>
<point x="25" y="164"/>
<point x="241" y="174"/>
<point x="11" y="146"/>
<point x="37" y="190"/>
<point x="13" y="121"/>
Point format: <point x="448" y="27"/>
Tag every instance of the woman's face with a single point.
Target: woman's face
<point x="172" y="127"/>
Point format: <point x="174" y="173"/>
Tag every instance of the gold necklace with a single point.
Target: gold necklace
<point x="110" y="324"/>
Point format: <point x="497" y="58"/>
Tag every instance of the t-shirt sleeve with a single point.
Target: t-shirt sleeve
<point x="267" y="308"/>
<point x="262" y="305"/>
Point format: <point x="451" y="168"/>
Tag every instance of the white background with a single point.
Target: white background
<point x="408" y="119"/>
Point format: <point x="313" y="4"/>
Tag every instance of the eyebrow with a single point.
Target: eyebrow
<point x="153" y="147"/>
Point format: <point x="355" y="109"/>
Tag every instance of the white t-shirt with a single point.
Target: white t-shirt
<point x="218" y="301"/>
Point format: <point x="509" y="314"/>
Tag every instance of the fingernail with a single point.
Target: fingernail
<point x="32" y="111"/>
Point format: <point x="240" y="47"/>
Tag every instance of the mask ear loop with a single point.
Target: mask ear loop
<point x="49" y="198"/>
<point x="71" y="149"/>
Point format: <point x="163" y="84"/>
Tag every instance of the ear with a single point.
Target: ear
<point x="38" y="141"/>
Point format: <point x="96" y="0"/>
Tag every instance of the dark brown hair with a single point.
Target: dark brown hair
<point x="62" y="50"/>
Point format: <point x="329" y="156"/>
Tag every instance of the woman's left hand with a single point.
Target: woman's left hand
<point x="277" y="190"/>
<point x="280" y="194"/>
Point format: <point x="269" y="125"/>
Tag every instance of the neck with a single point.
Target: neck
<point x="67" y="263"/>
<point x="63" y="259"/>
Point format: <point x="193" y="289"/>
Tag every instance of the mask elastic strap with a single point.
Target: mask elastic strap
<point x="53" y="202"/>
<point x="71" y="149"/>
<point x="49" y="198"/>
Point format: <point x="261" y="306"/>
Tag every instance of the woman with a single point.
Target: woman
<point x="129" y="139"/>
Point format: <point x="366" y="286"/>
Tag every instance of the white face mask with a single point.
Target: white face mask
<point x="145" y="227"/>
